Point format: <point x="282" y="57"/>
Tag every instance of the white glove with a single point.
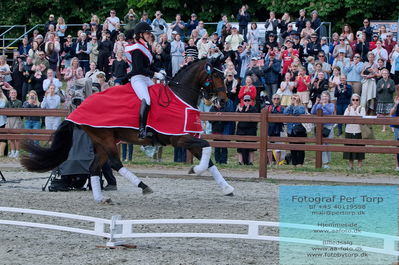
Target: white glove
<point x="163" y="72"/>
<point x="159" y="76"/>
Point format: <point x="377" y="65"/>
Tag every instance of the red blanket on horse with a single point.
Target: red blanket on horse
<point x="119" y="107"/>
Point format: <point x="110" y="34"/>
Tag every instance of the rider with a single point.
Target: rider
<point x="142" y="70"/>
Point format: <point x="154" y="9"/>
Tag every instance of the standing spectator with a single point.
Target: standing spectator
<point x="42" y="61"/>
<point x="5" y="69"/>
<point x="93" y="56"/>
<point x="286" y="90"/>
<point x="301" y="21"/>
<point x="145" y="18"/>
<point x="105" y="47"/>
<point x="176" y="51"/>
<point x="272" y="70"/>
<point x="27" y="74"/>
<point x="314" y="46"/>
<point x="243" y="18"/>
<point x="161" y="58"/>
<point x="221" y="24"/>
<point x="222" y="127"/>
<point x="159" y="25"/>
<point x="69" y="52"/>
<point x="14" y="122"/>
<point x="341" y="61"/>
<point x="362" y="47"/>
<point x="60" y="28"/>
<point x="342" y="47"/>
<point x="316" y="22"/>
<point x="302" y="85"/>
<point x="270" y="43"/>
<point x="51" y="80"/>
<point x="255" y="71"/>
<point x="325" y="48"/>
<point x="113" y="21"/>
<point x="72" y="74"/>
<point x="32" y="102"/>
<point x="192" y="24"/>
<point x="119" y="68"/>
<point x="347" y="33"/>
<point x="24" y="47"/>
<point x="130" y="19"/>
<point x="253" y="38"/>
<point x="82" y="52"/>
<point x="120" y="44"/>
<point x="275" y="129"/>
<point x="51" y="21"/>
<point x="389" y="43"/>
<point x="271" y="25"/>
<point x="3" y="120"/>
<point x="367" y="29"/>
<point x="51" y="101"/>
<point x="246" y="156"/>
<point x="307" y="31"/>
<point x="37" y="83"/>
<point x="328" y="108"/>
<point x="248" y="90"/>
<point x="201" y="30"/>
<point x="394" y="57"/>
<point x="52" y="57"/>
<point x="395" y="113"/>
<point x="5" y="87"/>
<point x="353" y="131"/>
<point x="191" y="49"/>
<point x="17" y="72"/>
<point x="353" y="71"/>
<point x="232" y="88"/>
<point x="343" y="93"/>
<point x="318" y="86"/>
<point x="203" y="47"/>
<point x="235" y="39"/>
<point x="92" y="74"/>
<point x="380" y="52"/>
<point x="368" y="96"/>
<point x="178" y="26"/>
<point x="296" y="129"/>
<point x="283" y="25"/>
<point x="385" y="90"/>
<point x="288" y="55"/>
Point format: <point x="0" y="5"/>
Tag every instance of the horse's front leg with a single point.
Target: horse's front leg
<point x="202" y="150"/>
<point x="95" y="170"/>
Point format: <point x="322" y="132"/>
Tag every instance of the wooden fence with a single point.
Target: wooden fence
<point x="262" y="142"/>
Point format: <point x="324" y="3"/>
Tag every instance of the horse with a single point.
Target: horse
<point x="200" y="77"/>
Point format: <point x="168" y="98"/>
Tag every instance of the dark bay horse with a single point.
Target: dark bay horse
<point x="196" y="78"/>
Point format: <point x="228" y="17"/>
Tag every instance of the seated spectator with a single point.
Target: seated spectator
<point x="385" y="90"/>
<point x="341" y="61"/>
<point x="328" y="108"/>
<point x="51" y="101"/>
<point x="246" y="156"/>
<point x="92" y="73"/>
<point x="24" y="47"/>
<point x="119" y="68"/>
<point x="32" y="102"/>
<point x="14" y="123"/>
<point x="52" y="57"/>
<point x="343" y="93"/>
<point x="286" y="90"/>
<point x="102" y="81"/>
<point x="275" y="129"/>
<point x="191" y="49"/>
<point x="353" y="131"/>
<point x="295" y="129"/>
<point x="203" y="46"/>
<point x="5" y="86"/>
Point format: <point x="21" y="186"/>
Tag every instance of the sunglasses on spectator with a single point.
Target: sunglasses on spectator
<point x="247" y="100"/>
<point x="341" y="39"/>
<point x="321" y="55"/>
<point x="356" y="56"/>
<point x="276" y="98"/>
<point x="355" y="99"/>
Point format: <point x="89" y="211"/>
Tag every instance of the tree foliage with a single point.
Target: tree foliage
<point x="78" y="11"/>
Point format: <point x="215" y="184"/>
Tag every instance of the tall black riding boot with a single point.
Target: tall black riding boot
<point x="144" y="109"/>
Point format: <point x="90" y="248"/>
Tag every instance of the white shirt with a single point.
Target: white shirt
<point x="113" y="20"/>
<point x="55" y="81"/>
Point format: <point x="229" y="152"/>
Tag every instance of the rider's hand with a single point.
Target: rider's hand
<point x="159" y="76"/>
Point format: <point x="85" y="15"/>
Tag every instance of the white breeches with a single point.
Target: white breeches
<point x="140" y="84"/>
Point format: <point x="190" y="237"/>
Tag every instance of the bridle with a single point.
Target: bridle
<point x="210" y="70"/>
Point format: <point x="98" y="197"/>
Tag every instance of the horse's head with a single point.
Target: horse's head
<point x="213" y="83"/>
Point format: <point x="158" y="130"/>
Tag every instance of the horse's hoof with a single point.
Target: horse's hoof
<point x="228" y="190"/>
<point x="147" y="190"/>
<point x="191" y="171"/>
<point x="230" y="194"/>
<point x="106" y="201"/>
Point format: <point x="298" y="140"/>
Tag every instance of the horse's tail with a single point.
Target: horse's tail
<point x="42" y="159"/>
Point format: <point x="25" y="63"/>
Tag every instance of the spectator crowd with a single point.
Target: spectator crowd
<point x="290" y="68"/>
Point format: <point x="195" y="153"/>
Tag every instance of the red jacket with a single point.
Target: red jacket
<point x="244" y="91"/>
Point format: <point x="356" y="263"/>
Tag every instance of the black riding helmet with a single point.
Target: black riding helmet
<point x="142" y="27"/>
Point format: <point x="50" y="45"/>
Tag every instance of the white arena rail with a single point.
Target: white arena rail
<point x="119" y="229"/>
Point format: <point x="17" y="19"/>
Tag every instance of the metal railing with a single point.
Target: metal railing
<point x="8" y="31"/>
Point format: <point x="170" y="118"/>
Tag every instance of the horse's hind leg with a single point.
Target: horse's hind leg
<point x="117" y="165"/>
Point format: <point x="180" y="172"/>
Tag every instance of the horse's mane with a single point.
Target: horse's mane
<point x="184" y="69"/>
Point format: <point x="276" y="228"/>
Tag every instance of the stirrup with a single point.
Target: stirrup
<point x="142" y="133"/>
